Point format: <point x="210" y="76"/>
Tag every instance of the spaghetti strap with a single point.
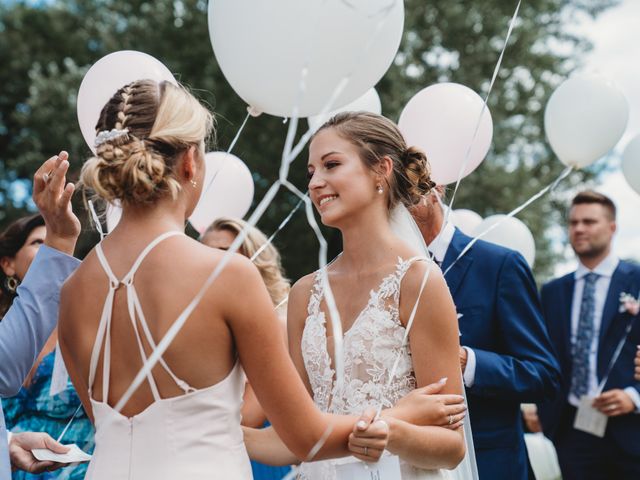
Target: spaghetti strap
<point x="134" y="308"/>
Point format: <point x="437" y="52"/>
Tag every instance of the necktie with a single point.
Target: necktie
<point x="584" y="337"/>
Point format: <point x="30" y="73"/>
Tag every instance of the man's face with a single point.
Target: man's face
<point x="591" y="229"/>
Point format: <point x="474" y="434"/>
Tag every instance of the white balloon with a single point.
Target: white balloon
<point x="510" y="233"/>
<point x="369" y="102"/>
<point x="441" y="119"/>
<point x="268" y="49"/>
<point x="106" y="77"/>
<point x="465" y="220"/>
<point x="584" y="119"/>
<point x="229" y="195"/>
<point x="631" y="163"/>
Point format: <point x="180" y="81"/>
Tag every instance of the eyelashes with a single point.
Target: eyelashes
<point x="328" y="166"/>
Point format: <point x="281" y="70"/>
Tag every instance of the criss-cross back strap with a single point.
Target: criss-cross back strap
<point x="134" y="309"/>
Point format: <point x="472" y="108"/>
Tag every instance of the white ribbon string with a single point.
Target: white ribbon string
<point x="616" y="354"/>
<point x="273" y="235"/>
<point x="484" y="107"/>
<point x="231" y="145"/>
<point x="512" y="213"/>
<point x="96" y="220"/>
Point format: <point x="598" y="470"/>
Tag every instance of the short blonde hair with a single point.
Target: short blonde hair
<point x="162" y="121"/>
<point x="268" y="261"/>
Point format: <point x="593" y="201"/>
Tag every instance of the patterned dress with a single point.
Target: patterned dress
<point x="371" y="347"/>
<point x="33" y="409"/>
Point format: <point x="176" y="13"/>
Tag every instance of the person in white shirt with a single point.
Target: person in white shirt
<point x="594" y="334"/>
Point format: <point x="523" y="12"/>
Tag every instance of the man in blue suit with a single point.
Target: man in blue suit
<point x="506" y="358"/>
<point x="34" y="312"/>
<point x="587" y="323"/>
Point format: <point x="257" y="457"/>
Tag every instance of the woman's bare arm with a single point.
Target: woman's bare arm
<point x="434" y="342"/>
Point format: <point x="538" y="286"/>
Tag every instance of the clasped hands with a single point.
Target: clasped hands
<point x="423" y="406"/>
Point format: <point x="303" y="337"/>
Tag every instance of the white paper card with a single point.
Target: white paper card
<point x="74" y="455"/>
<point x="589" y="419"/>
<point x="387" y="468"/>
<point x="59" y="376"/>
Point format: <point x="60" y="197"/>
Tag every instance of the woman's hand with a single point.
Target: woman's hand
<point x="423" y="406"/>
<point x="637" y="362"/>
<point x="369" y="438"/>
<point x="52" y="196"/>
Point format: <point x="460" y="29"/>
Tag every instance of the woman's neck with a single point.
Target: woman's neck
<point x="367" y="240"/>
<point x="160" y="217"/>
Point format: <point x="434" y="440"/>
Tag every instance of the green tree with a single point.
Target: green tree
<point x="45" y="49"/>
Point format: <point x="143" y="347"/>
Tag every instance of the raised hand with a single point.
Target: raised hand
<point x="369" y="438"/>
<point x="424" y="406"/>
<point x="22" y="458"/>
<point x="52" y="196"/>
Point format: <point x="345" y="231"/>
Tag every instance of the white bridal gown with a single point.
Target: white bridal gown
<point x="194" y="436"/>
<point x="370" y="349"/>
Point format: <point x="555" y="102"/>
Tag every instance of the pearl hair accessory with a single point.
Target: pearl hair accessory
<point x="108" y="135"/>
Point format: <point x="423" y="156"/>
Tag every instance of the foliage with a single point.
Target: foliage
<point x="46" y="47"/>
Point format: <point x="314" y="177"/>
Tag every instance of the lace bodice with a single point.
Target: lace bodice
<point x="370" y="349"/>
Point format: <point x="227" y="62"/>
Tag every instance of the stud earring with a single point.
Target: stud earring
<point x="194" y="183"/>
<point x="380" y="190"/>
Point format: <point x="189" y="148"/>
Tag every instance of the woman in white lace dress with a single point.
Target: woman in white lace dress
<point x="360" y="169"/>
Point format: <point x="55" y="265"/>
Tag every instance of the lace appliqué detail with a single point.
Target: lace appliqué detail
<point x="371" y="346"/>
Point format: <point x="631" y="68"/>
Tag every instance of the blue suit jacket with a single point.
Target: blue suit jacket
<point x="557" y="299"/>
<point x="496" y="296"/>
<point x="27" y="325"/>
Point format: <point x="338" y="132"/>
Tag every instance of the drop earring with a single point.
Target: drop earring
<point x="380" y="190"/>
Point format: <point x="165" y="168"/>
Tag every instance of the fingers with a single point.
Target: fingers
<point x="433" y="387"/>
<point x="65" y="198"/>
<point x="365" y="420"/>
<point x="54" y="446"/>
<point x="369" y="445"/>
<point x="41" y="175"/>
<point x="58" y="177"/>
<point x="456" y="421"/>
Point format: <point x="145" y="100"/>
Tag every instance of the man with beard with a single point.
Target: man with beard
<point x="506" y="358"/>
<point x="588" y="321"/>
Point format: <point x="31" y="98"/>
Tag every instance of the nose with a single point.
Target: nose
<point x="316" y="181"/>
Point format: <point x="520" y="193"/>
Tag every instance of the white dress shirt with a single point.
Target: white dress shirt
<point x="438" y="248"/>
<point x="605" y="271"/>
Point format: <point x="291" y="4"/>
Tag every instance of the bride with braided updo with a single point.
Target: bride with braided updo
<point x="362" y="178"/>
<point x="184" y="419"/>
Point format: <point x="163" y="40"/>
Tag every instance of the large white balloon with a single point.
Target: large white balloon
<point x="441" y="119"/>
<point x="106" y="77"/>
<point x="268" y="49"/>
<point x="584" y="119"/>
<point x="631" y="163"/>
<point x="465" y="220"/>
<point x="511" y="233"/>
<point x="229" y="195"/>
<point x="369" y="102"/>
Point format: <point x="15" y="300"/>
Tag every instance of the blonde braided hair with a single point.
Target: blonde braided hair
<point x="162" y="121"/>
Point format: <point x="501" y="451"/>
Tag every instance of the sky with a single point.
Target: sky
<point x="615" y="35"/>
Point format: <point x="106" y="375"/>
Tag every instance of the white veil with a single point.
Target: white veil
<point x="405" y="227"/>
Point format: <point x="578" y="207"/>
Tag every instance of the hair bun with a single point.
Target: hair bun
<point x="418" y="175"/>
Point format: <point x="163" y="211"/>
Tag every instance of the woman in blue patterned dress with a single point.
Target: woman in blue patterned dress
<point x="34" y="408"/>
